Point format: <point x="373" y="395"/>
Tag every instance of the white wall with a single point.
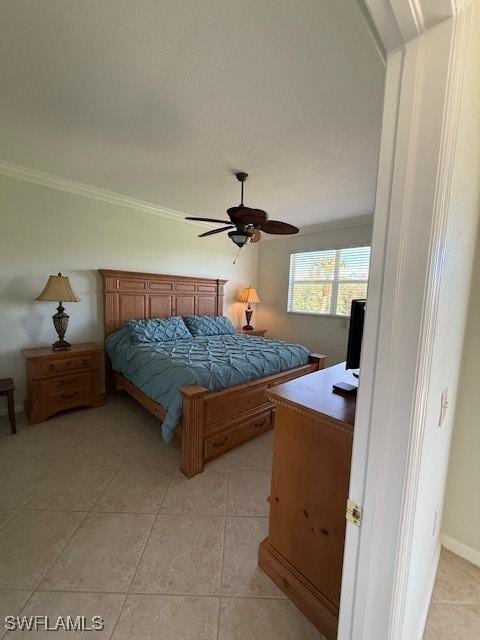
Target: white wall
<point x="451" y="315"/>
<point x="461" y="521"/>
<point x="44" y="230"/>
<point x="423" y="248"/>
<point x="321" y="334"/>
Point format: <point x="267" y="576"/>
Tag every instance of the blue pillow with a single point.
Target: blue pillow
<point x="157" y="329"/>
<point x="209" y="325"/>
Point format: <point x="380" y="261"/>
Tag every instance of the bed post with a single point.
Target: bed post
<point x="319" y="359"/>
<point x="193" y="429"/>
<point x="219" y="296"/>
<point x="110" y="387"/>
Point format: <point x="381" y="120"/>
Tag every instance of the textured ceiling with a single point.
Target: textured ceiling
<point x="162" y="100"/>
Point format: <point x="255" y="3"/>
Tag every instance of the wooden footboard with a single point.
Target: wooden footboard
<point x="216" y="421"/>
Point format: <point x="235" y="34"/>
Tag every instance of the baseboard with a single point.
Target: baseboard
<point x="18" y="409"/>
<point x="428" y="594"/>
<point x="462" y="550"/>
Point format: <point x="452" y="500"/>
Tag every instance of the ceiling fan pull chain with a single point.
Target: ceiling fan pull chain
<point x="238" y="255"/>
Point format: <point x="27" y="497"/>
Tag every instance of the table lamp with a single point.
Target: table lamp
<point x="250" y="296"/>
<point x="58" y="289"/>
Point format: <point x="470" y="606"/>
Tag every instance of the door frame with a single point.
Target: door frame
<point x="415" y="175"/>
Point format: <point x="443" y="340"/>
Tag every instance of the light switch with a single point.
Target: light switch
<point x="443" y="407"/>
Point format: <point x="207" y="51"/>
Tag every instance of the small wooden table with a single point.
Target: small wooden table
<point x="253" y="332"/>
<point x="59" y="380"/>
<point x="7" y="387"/>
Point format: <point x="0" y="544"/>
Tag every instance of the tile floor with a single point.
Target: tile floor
<point x="95" y="519"/>
<point x="455" y="609"/>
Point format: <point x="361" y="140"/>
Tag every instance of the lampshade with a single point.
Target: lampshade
<point x="58" y="288"/>
<point x="249" y="295"/>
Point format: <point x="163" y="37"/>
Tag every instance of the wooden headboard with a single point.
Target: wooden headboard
<point x="129" y="295"/>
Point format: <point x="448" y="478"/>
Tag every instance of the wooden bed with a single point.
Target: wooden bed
<point x="213" y="421"/>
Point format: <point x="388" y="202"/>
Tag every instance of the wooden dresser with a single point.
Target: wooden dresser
<point x="313" y="435"/>
<point x="59" y="380"/>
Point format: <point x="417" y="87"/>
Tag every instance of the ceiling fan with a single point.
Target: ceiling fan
<point x="246" y="224"/>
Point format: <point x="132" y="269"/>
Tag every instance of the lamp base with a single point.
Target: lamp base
<point x="61" y="345"/>
<point x="60" y="322"/>
<point x="248" y="315"/>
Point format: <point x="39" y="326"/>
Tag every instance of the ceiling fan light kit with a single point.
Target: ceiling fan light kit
<point x="240" y="238"/>
<point x="246" y="224"/>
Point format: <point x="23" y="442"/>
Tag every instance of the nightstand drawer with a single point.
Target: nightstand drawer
<point x="67" y="398"/>
<point x="64" y="382"/>
<point x="65" y="365"/>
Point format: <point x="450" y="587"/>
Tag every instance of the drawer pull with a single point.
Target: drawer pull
<point x="68" y="381"/>
<point x="85" y="362"/>
<point x="221" y="443"/>
<point x="68" y="396"/>
<point x="51" y="367"/>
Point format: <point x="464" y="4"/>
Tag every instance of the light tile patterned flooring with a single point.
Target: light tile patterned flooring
<point x="95" y="519"/>
<point x="455" y="609"/>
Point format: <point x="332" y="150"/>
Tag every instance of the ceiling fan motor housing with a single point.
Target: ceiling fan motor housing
<point x="248" y="222"/>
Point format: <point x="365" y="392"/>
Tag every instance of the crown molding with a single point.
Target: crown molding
<point x="322" y="227"/>
<point x="357" y="221"/>
<point x="78" y="188"/>
<point x="396" y="22"/>
<point x="373" y="31"/>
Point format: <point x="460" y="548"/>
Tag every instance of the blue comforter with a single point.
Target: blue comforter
<point x="159" y="369"/>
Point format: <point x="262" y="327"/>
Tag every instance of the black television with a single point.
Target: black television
<point x="355" y="334"/>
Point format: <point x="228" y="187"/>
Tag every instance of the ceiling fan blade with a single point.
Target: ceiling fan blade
<point x="256" y="236"/>
<point x="277" y="227"/>
<point x="246" y="215"/>
<point x="207" y="220"/>
<point x="213" y="231"/>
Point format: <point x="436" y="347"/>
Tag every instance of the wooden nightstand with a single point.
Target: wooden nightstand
<point x="59" y="380"/>
<point x="254" y="332"/>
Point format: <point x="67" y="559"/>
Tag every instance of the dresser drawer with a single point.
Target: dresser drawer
<point x="66" y="382"/>
<point x="223" y="406"/>
<point x="64" y="365"/>
<point x="68" y="398"/>
<point x="217" y="444"/>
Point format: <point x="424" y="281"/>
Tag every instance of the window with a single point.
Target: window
<point x="326" y="282"/>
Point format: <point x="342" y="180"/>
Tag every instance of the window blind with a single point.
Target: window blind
<point x="326" y="282"/>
